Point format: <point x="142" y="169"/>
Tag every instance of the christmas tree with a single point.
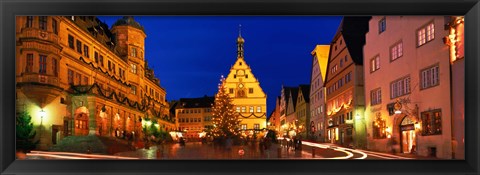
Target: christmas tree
<point x="225" y="120"/>
<point x="25" y="132"/>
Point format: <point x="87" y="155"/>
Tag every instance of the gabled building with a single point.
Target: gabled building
<point x="284" y="102"/>
<point x="274" y="118"/>
<point x="317" y="92"/>
<point x="408" y="82"/>
<point x="344" y="84"/>
<point x="303" y="112"/>
<point x="248" y="97"/>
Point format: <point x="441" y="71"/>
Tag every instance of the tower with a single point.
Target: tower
<point x="248" y="97"/>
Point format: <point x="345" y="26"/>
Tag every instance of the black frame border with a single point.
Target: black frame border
<point x="9" y="9"/>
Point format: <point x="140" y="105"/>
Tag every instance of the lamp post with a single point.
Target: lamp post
<point x="42" y="140"/>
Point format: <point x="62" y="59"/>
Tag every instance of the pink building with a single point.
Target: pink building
<point x="317" y="92"/>
<point x="408" y="85"/>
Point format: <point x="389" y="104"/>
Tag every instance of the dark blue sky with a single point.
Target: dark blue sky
<point x="190" y="53"/>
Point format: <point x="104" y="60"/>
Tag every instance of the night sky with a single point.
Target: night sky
<point x="190" y="53"/>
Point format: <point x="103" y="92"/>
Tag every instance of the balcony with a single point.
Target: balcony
<point x="41" y="89"/>
<point x="34" y="33"/>
<point x="42" y="79"/>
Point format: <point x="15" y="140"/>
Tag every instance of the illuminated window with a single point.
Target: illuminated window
<point x="378" y="129"/>
<point x="259" y="109"/>
<point x="396" y="51"/>
<point x="251" y="109"/>
<point x="432" y="122"/>
<point x="382" y="25"/>
<point x="133" y="90"/>
<point x="256" y="126"/>
<point x="375" y="64"/>
<point x="133" y="68"/>
<point x="243" y="108"/>
<point x="430" y="77"/>
<point x="244" y="127"/>
<point x="134" y="52"/>
<point x="238" y="109"/>
<point x="425" y="34"/>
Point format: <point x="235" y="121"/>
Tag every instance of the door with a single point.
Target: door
<point x="408" y="141"/>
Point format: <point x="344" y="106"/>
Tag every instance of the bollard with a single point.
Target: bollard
<point x="279" y="152"/>
<point x="313" y="152"/>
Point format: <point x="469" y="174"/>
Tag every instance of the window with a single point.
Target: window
<point x="382" y="25"/>
<point x="334" y="69"/>
<point x="346" y="58"/>
<point x="96" y="57"/>
<point x="79" y="78"/>
<point x="238" y="109"/>
<point x="109" y="65"/>
<point x="70" y="76"/>
<point x="340" y="83"/>
<point x="29" y="63"/>
<point x="250" y="90"/>
<point x="70" y="42"/>
<point x="378" y="129"/>
<point x="375" y="64"/>
<point x="425" y="34"/>
<point x="42" y="22"/>
<point x="396" y="51"/>
<point x="54" y="26"/>
<point x="348" y="77"/>
<point x="400" y="87"/>
<point x="376" y="96"/>
<point x="430" y="77"/>
<point x="101" y="60"/>
<point x="243" y="109"/>
<point x="85" y="51"/>
<point x="79" y="46"/>
<point x="85" y="80"/>
<point x="133" y="90"/>
<point x="256" y="126"/>
<point x="259" y="109"/>
<point x="134" y="52"/>
<point x="29" y="21"/>
<point x="341" y="63"/>
<point x="244" y="127"/>
<point x="230" y="91"/>
<point x="43" y="64"/>
<point x="133" y="68"/>
<point x="54" y="67"/>
<point x="432" y="122"/>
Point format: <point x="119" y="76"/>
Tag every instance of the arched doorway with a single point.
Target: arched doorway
<point x="407" y="135"/>
<point x="81" y="121"/>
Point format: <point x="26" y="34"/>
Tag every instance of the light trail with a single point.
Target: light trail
<point x="55" y="156"/>
<point x="81" y="155"/>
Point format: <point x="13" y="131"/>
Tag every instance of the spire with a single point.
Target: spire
<point x="240" y="42"/>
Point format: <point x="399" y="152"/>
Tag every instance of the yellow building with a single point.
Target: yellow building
<point x="77" y="77"/>
<point x="247" y="95"/>
<point x="195" y="116"/>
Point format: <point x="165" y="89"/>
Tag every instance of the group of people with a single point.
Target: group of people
<point x="294" y="143"/>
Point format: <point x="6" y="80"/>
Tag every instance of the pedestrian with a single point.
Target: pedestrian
<point x="116" y="133"/>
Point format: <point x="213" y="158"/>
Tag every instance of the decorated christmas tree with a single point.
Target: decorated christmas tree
<point x="225" y="120"/>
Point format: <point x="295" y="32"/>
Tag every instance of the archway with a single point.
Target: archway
<point x="407" y="135"/>
<point x="81" y="121"/>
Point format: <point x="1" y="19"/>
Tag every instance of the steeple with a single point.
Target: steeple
<point x="240" y="42"/>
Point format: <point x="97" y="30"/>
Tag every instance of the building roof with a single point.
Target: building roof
<point x="305" y="88"/>
<point x="353" y="30"/>
<point x="201" y="102"/>
<point x="294" y="94"/>
<point x="128" y="21"/>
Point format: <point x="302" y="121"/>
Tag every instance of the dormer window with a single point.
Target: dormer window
<point x="134" y="52"/>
